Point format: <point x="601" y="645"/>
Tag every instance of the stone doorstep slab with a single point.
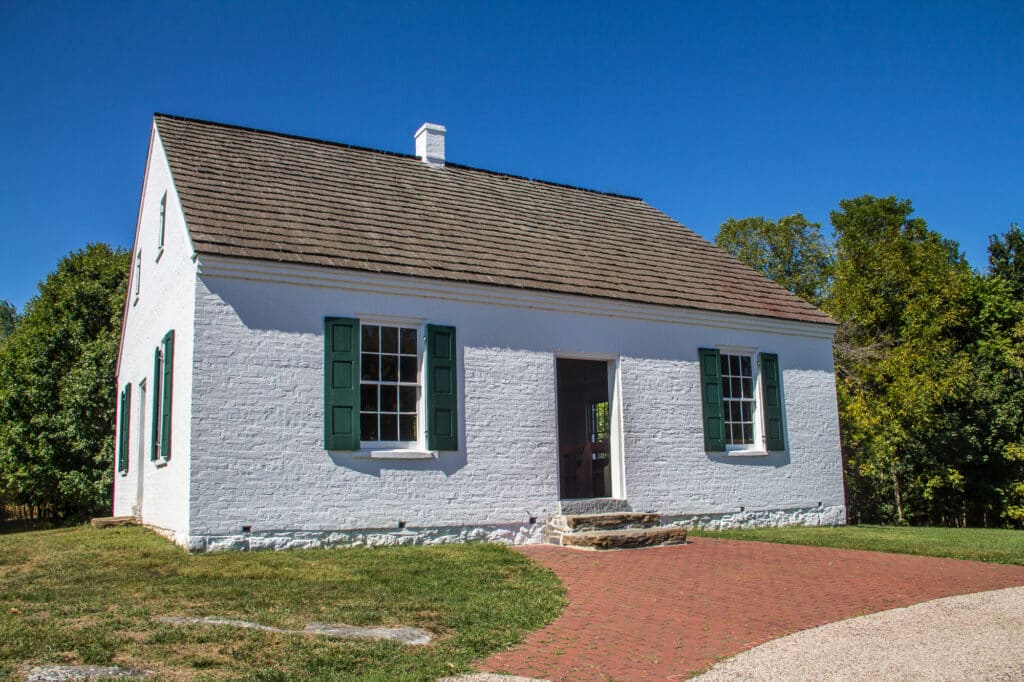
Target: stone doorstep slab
<point x="405" y="635"/>
<point x="593" y="505"/>
<point x="577" y="522"/>
<point x="626" y="539"/>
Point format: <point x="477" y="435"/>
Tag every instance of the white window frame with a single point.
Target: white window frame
<point x="161" y="228"/>
<point x="758" y="445"/>
<point x="396" y="449"/>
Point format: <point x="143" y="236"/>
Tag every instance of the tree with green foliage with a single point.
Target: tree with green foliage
<point x="992" y="414"/>
<point x="905" y="299"/>
<point x="8" y="319"/>
<point x="1006" y="258"/>
<point x="929" y="356"/>
<point x="791" y="252"/>
<point x="57" y="387"/>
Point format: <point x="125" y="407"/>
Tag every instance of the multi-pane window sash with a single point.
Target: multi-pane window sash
<point x="389" y="384"/>
<point x="738" y="399"/>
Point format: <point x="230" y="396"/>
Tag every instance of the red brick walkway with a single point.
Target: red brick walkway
<point x="666" y="612"/>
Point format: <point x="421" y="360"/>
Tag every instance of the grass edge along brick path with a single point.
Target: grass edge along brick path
<point x="993" y="545"/>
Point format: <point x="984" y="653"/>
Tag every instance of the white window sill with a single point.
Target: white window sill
<point x="747" y="453"/>
<point x="160" y="463"/>
<point x="394" y="454"/>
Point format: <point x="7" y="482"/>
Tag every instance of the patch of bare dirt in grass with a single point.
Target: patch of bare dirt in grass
<point x="180" y="661"/>
<point x="81" y="622"/>
<point x="139" y="636"/>
<point x="196" y="659"/>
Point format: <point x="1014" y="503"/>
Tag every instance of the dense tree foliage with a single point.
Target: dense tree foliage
<point x="1006" y="258"/>
<point x="902" y="295"/>
<point x="8" y="318"/>
<point x="57" y="390"/>
<point x="929" y="360"/>
<point x="791" y="252"/>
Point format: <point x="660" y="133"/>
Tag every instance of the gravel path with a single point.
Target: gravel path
<point x="976" y="637"/>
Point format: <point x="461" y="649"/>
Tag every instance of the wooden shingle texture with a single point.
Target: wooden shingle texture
<point x="274" y="197"/>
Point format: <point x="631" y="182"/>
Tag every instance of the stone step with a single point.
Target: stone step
<point x="620" y="520"/>
<point x="626" y="539"/>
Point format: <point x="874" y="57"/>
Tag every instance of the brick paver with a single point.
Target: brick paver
<point x="667" y="612"/>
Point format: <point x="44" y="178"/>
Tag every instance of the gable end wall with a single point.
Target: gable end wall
<point x="165" y="301"/>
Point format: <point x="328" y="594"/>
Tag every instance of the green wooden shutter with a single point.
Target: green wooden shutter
<point x="123" y="433"/>
<point x="442" y="397"/>
<point x="771" y="399"/>
<point x="341" y="383"/>
<point x="154" y="444"/>
<point x="711" y="399"/>
<point x="168" y="390"/>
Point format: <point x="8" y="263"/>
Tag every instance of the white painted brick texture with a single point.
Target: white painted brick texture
<point x="257" y="440"/>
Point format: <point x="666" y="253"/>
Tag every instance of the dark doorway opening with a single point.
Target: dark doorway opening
<point x="584" y="429"/>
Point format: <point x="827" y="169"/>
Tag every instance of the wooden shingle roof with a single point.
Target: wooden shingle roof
<point x="275" y="197"/>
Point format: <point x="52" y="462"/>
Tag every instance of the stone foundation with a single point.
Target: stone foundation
<point x="506" y="534"/>
<point x="764" y="518"/>
<point x="509" y="534"/>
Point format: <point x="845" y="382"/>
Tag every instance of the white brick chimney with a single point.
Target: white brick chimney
<point x="430" y="143"/>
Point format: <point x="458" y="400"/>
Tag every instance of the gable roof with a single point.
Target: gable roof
<point x="275" y="197"/>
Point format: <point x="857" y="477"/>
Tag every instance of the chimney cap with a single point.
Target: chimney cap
<point x="430" y="143"/>
<point x="432" y="127"/>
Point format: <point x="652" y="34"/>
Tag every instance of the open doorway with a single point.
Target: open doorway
<point x="584" y="429"/>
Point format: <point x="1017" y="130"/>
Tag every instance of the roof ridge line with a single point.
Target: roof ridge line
<point x="541" y="181"/>
<point x="345" y="145"/>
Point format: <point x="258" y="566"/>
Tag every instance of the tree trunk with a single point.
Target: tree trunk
<point x="898" y="494"/>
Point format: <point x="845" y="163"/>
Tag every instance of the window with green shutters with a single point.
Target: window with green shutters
<point x="741" y="395"/>
<point x="163" y="388"/>
<point x="389" y="386"/>
<point x="124" y="429"/>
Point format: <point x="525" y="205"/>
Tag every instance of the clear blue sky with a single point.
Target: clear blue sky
<point x="707" y="110"/>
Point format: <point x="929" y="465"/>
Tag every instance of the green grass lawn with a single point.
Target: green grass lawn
<point x="87" y="596"/>
<point x="979" y="544"/>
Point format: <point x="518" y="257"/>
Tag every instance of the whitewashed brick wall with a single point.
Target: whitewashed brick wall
<point x="258" y="415"/>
